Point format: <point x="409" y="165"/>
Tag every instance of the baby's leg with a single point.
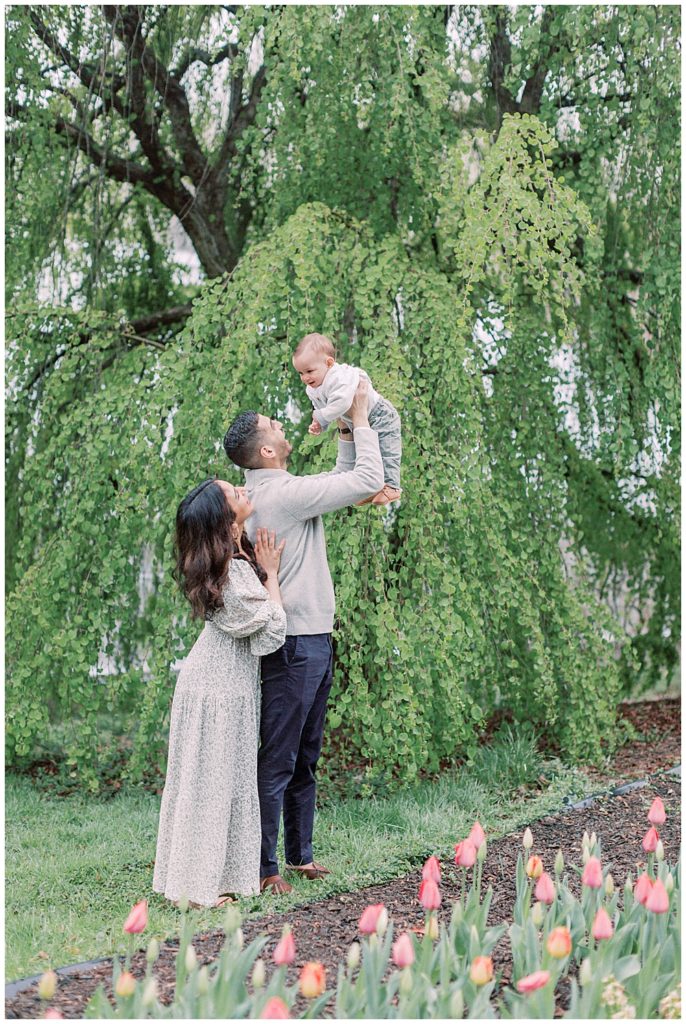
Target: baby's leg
<point x="384" y="419"/>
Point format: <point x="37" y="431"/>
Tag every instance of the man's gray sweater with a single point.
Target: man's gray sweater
<point x="292" y="506"/>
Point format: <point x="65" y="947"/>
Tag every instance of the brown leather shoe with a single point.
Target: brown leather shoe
<point x="276" y="883"/>
<point x="312" y="871"/>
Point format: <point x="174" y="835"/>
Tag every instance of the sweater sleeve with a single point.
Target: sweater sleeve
<point x="308" y="496"/>
<point x="249" y="611"/>
<point x="340" y="394"/>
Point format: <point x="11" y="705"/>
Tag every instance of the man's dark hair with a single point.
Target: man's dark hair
<point x="242" y="441"/>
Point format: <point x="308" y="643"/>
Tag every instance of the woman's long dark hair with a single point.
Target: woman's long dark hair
<point x="205" y="546"/>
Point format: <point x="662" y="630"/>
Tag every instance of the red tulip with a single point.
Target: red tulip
<point x="465" y="853"/>
<point x="602" y="925"/>
<point x="275" y="1009"/>
<point x="403" y="951"/>
<point x="477" y="835"/>
<point x="370" y="917"/>
<point x="285" y="950"/>
<point x="431" y="872"/>
<point x="533" y="981"/>
<point x="312" y="980"/>
<point x="650" y="840"/>
<point x="429" y="895"/>
<point x="593" y="873"/>
<point x="545" y="888"/>
<point x="643" y="888"/>
<point x="657" y="814"/>
<point x="137" y="919"/>
<point x="534" y="867"/>
<point x="658" y="900"/>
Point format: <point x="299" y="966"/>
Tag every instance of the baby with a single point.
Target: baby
<point x="330" y="386"/>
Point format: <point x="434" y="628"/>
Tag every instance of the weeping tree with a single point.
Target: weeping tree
<point x="480" y="205"/>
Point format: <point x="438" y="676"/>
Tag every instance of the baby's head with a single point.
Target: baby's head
<point x="313" y="358"/>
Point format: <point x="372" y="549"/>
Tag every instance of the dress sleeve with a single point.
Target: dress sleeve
<point x="249" y="611"/>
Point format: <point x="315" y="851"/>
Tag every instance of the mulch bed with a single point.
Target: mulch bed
<point x="323" y="930"/>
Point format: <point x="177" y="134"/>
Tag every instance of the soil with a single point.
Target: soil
<point x="323" y="930"/>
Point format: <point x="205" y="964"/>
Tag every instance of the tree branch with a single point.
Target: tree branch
<point x="196" y="54"/>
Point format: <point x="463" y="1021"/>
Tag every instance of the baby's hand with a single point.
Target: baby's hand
<point x="315" y="427"/>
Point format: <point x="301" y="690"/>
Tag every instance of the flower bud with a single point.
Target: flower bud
<point x="406" y="984"/>
<point x="353" y="958"/>
<point x="659" y="851"/>
<point x="538" y="914"/>
<point x="432" y="929"/>
<point x="559" y="942"/>
<point x="559" y="863"/>
<point x="238" y="938"/>
<point x="47" y="986"/>
<point x="183" y="904"/>
<point x="259" y="974"/>
<point x="669" y="883"/>
<point x="191" y="959"/>
<point x="457" y="1005"/>
<point x="153" y="951"/>
<point x="534" y="867"/>
<point x="528" y="840"/>
<point x="312" y="980"/>
<point x="126" y="985"/>
<point x="586" y="972"/>
<point x="481" y="970"/>
<point x="593" y="840"/>
<point x="481" y="852"/>
<point x="585" y="855"/>
<point x="382" y="923"/>
<point x="585" y="840"/>
<point x="203" y="981"/>
<point x="609" y="884"/>
<point x="149" y="992"/>
<point x="232" y="919"/>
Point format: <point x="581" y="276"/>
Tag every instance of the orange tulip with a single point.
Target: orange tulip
<point x="545" y="888"/>
<point x="285" y="949"/>
<point x="431" y="872"/>
<point x="602" y="926"/>
<point x="481" y="970"/>
<point x="657" y="814"/>
<point x="370" y="918"/>
<point x="126" y="984"/>
<point x="534" y="867"/>
<point x="312" y="980"/>
<point x="138" y="918"/>
<point x="559" y="942"/>
<point x="593" y="873"/>
<point x="275" y="1009"/>
<point x="533" y="981"/>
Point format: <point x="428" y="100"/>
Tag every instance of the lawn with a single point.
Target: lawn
<point x="74" y="866"/>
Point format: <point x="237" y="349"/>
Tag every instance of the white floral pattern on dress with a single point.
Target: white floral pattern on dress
<point x="209" y="834"/>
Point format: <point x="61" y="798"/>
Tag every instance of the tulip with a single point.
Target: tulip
<point x="585" y="855"/>
<point x="659" y="851"/>
<point x="353" y="958"/>
<point x="275" y="1009"/>
<point x="312" y="980"/>
<point x="232" y="919"/>
<point x="593" y="874"/>
<point x="259" y="974"/>
<point x="477" y="835"/>
<point x="609" y="884"/>
<point x="431" y="872"/>
<point x="545" y="888"/>
<point x="191" y="959"/>
<point x="285" y="949"/>
<point x="429" y="895"/>
<point x="432" y="927"/>
<point x="533" y="981"/>
<point x="650" y="840"/>
<point x="149" y="992"/>
<point x="481" y="971"/>
<point x="203" y="982"/>
<point x="52" y="1015"/>
<point x="528" y="840"/>
<point x="153" y="951"/>
<point x="126" y="985"/>
<point x="183" y="904"/>
<point x="559" y="863"/>
<point x="47" y="985"/>
<point x="585" y="840"/>
<point x="382" y="923"/>
<point x="656" y="814"/>
<point x="238" y="938"/>
<point x="456" y="1005"/>
<point x="370" y="916"/>
<point x="538" y="914"/>
<point x="403" y="951"/>
<point x="559" y="942"/>
<point x="602" y="926"/>
<point x="669" y="883"/>
<point x="465" y="853"/>
<point x="586" y="972"/>
<point x="406" y="982"/>
<point x="593" y="840"/>
<point x="481" y="852"/>
<point x="658" y="900"/>
<point x="534" y="867"/>
<point x="137" y="919"/>
<point x="642" y="889"/>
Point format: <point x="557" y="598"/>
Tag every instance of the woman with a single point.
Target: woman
<point x="208" y="846"/>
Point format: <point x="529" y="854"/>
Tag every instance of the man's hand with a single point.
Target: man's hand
<point x="358" y="410"/>
<point x="315" y="427"/>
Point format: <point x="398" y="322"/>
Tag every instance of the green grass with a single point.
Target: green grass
<point x="75" y="866"/>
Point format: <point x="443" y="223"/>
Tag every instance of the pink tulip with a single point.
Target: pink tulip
<point x="465" y="854"/>
<point x="285" y="950"/>
<point x="657" y="814"/>
<point x="370" y="917"/>
<point x="658" y="900"/>
<point x="431" y="872"/>
<point x="545" y="888"/>
<point x="429" y="895"/>
<point x="533" y="981"/>
<point x="593" y="873"/>
<point x="275" y="1009"/>
<point x="52" y="1015"/>
<point x="650" y="840"/>
<point x="403" y="951"/>
<point x="602" y="925"/>
<point x="138" y="918"/>
<point x="477" y="835"/>
<point x="643" y="888"/>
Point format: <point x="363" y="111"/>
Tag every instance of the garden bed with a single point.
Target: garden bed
<point x="323" y="930"/>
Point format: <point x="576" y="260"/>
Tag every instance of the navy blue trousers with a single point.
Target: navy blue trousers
<point x="296" y="681"/>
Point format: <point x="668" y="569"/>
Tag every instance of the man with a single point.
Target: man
<point x="296" y="679"/>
